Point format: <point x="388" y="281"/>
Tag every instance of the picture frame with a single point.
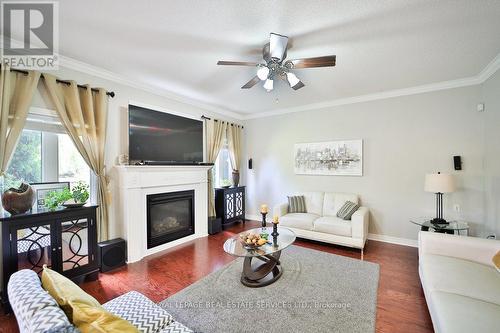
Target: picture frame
<point x="331" y="158"/>
<point x="42" y="189"/>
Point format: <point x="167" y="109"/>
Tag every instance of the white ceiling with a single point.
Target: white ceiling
<point x="380" y="45"/>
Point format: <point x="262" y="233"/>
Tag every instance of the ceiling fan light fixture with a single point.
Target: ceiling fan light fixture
<point x="268" y="85"/>
<point x="263" y="72"/>
<point x="293" y="80"/>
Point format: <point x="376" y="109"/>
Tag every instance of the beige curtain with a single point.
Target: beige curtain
<point x="83" y="113"/>
<point x="234" y="143"/>
<point x="16" y="93"/>
<point x="215" y="132"/>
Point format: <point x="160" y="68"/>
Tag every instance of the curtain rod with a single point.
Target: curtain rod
<point x="208" y="118"/>
<point x="109" y="93"/>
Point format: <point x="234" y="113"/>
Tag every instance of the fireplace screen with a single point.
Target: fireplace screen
<point x="170" y="217"/>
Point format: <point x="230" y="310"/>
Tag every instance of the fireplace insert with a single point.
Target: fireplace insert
<point x="170" y="216"/>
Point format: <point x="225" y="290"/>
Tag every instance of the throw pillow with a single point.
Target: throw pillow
<point x="83" y="310"/>
<point x="348" y="208"/>
<point x="496" y="261"/>
<point x="297" y="204"/>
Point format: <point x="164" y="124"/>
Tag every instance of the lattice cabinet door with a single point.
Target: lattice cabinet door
<point x="32" y="246"/>
<point x="229" y="198"/>
<point x="76" y="244"/>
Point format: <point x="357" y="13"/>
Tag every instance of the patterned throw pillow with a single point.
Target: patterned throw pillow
<point x="297" y="204"/>
<point x="345" y="212"/>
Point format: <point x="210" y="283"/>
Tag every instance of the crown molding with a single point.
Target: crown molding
<point x="105" y="74"/>
<point x="480" y="78"/>
<point x="73" y="64"/>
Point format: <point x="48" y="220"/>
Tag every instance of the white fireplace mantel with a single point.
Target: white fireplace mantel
<point x="136" y="182"/>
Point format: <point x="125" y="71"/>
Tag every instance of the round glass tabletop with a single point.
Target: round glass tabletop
<point x="452" y="225"/>
<point x="235" y="247"/>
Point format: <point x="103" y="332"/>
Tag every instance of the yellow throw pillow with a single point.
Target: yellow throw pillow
<point x="496" y="261"/>
<point x="83" y="310"/>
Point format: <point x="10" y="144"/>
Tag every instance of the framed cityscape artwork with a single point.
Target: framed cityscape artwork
<point x="333" y="158"/>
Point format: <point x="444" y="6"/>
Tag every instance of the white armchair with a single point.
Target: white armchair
<point x="320" y="222"/>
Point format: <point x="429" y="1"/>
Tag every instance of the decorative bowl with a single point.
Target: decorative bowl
<point x="247" y="240"/>
<point x="18" y="200"/>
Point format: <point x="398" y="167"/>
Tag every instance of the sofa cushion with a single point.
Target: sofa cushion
<point x="298" y="220"/>
<point x="314" y="202"/>
<point x="334" y="201"/>
<point x="36" y="311"/>
<point x="459" y="276"/>
<point x="140" y="311"/>
<point x="345" y="212"/>
<point x="454" y="313"/>
<point x="333" y="225"/>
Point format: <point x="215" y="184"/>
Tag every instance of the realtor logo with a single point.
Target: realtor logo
<point x="30" y="34"/>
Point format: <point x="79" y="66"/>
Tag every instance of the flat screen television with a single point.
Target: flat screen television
<point x="164" y="138"/>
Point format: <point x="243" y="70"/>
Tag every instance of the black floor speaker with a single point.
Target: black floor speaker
<point x="112" y="254"/>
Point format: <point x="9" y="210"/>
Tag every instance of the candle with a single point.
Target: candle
<point x="264" y="209"/>
<point x="276" y="219"/>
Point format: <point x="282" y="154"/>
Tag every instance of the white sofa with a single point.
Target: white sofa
<point x="461" y="285"/>
<point x="321" y="222"/>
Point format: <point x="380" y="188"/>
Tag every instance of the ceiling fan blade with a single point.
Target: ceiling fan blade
<point x="237" y="63"/>
<point x="277" y="46"/>
<point x="325" y="61"/>
<point x="251" y="83"/>
<point x="298" y="85"/>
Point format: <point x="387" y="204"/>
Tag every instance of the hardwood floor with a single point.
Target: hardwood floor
<point x="401" y="304"/>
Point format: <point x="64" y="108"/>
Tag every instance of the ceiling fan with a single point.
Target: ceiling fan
<point x="274" y="54"/>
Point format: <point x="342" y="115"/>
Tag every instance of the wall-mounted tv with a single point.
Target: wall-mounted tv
<point x="164" y="138"/>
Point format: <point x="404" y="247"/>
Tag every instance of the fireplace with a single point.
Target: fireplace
<point x="170" y="216"/>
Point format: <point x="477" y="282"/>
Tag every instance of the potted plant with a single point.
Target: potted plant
<point x="76" y="197"/>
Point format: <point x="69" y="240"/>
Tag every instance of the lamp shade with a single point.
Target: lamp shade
<point x="439" y="183"/>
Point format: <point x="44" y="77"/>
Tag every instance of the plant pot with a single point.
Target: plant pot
<point x="18" y="200"/>
<point x="236" y="178"/>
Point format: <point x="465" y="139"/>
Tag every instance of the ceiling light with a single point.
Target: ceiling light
<point x="292" y="79"/>
<point x="262" y="73"/>
<point x="268" y="85"/>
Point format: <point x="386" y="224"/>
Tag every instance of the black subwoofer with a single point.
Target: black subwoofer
<point x="112" y="254"/>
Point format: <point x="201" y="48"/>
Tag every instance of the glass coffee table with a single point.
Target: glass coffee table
<point x="450" y="228"/>
<point x="266" y="268"/>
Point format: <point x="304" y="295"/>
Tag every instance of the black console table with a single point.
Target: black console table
<point x="65" y="240"/>
<point x="230" y="205"/>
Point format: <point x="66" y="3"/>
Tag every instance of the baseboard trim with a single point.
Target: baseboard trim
<point x="393" y="240"/>
<point x="375" y="237"/>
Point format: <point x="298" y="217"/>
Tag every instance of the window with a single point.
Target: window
<point x="26" y="162"/>
<point x="45" y="153"/>
<point x="222" y="170"/>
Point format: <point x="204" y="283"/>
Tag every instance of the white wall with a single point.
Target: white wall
<point x="117" y="131"/>
<point x="404" y="138"/>
<point x="491" y="99"/>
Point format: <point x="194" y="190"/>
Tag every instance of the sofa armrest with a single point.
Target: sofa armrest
<point x="280" y="209"/>
<point x="140" y="311"/>
<point x="359" y="223"/>
<point x="480" y="250"/>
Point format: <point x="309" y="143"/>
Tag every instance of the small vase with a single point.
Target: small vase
<point x="236" y="178"/>
<point x="18" y="200"/>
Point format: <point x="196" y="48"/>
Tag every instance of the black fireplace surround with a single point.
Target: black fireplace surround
<point x="170" y="216"/>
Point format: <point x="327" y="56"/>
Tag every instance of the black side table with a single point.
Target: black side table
<point x="450" y="228"/>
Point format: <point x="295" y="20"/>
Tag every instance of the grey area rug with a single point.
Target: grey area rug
<point x="318" y="292"/>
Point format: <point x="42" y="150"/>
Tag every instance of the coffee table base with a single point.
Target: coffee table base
<point x="264" y="274"/>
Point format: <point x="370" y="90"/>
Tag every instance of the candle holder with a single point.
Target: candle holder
<point x="264" y="220"/>
<point x="275" y="241"/>
<point x="275" y="230"/>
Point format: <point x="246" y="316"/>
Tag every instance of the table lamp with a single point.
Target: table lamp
<point x="439" y="183"/>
